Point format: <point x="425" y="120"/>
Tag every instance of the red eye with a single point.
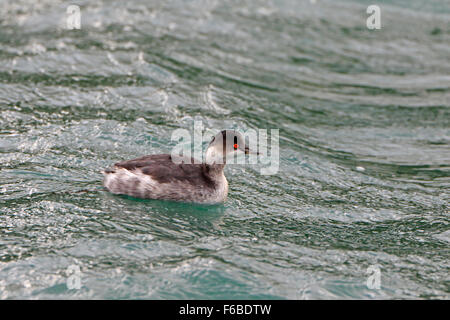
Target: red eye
<point x="236" y="146"/>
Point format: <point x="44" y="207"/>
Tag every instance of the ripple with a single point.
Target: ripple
<point x="343" y="97"/>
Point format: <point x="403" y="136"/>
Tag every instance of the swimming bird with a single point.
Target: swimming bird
<point x="160" y="177"/>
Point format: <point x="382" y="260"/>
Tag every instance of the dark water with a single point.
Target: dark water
<point x="72" y="102"/>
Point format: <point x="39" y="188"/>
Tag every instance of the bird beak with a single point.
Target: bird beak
<point x="248" y="151"/>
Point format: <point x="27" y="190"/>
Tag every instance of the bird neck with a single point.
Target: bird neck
<point x="215" y="157"/>
<point x="213" y="171"/>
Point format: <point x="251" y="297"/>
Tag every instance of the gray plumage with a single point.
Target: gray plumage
<point x="159" y="177"/>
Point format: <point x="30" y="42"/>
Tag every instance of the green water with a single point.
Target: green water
<point x="72" y="102"/>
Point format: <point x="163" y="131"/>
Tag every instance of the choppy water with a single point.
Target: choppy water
<point x="74" y="102"/>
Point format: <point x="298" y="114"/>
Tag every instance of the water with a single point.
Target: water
<point x="364" y="141"/>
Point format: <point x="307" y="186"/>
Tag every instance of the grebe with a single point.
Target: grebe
<point x="159" y="177"/>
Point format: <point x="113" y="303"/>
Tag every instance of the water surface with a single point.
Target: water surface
<point x="72" y="102"/>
